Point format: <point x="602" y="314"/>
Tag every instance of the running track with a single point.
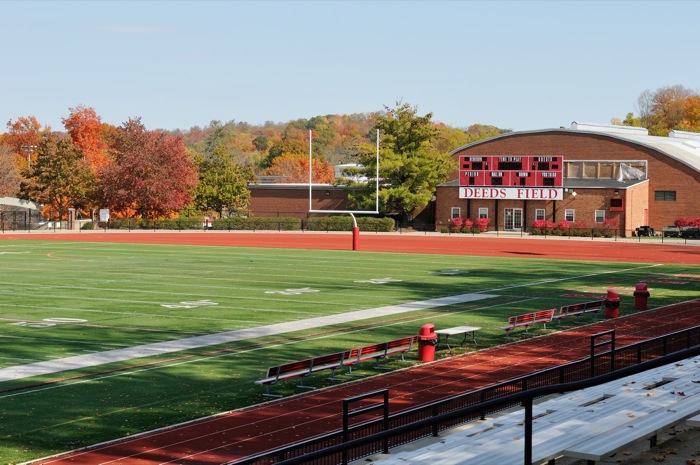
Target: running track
<point x="253" y="430"/>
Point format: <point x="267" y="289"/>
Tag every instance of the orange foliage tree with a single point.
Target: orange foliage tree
<point x="85" y="129"/>
<point x="294" y="168"/>
<point x="23" y="137"/>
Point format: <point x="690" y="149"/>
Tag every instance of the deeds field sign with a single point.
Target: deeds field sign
<point x="511" y="177"/>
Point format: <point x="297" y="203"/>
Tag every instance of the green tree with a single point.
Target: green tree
<point x="223" y="184"/>
<point x="60" y="175"/>
<point x="410" y="166"/>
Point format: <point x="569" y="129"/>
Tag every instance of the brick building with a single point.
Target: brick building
<point x="292" y="200"/>
<point x="608" y="172"/>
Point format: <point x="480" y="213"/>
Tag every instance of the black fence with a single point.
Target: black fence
<point x="19" y="221"/>
<point x="401" y="428"/>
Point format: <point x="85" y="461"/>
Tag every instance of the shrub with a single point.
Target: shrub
<point x="344" y="223"/>
<point x="239" y="223"/>
<point x="483" y="224"/>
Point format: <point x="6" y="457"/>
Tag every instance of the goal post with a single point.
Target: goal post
<point x="352" y="213"/>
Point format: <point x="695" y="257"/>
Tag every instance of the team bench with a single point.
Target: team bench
<point x="528" y="319"/>
<point x="579" y="309"/>
<point x="348" y="358"/>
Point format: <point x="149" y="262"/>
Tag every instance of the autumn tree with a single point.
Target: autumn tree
<point x="294" y="168"/>
<point x="86" y="130"/>
<point x="150" y="173"/>
<point x="410" y="167"/>
<point x="23" y="136"/>
<point x="9" y="172"/>
<point x="59" y="177"/>
<point x="665" y="109"/>
<point x="223" y="184"/>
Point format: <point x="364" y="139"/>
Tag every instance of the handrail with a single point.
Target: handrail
<point x="429" y="419"/>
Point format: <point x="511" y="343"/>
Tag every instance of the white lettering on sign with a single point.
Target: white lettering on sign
<point x="510" y="158"/>
<point x="511" y="193"/>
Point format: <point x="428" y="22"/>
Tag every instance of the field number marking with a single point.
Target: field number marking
<point x="33" y="324"/>
<point x="191" y="304"/>
<point x="303" y="290"/>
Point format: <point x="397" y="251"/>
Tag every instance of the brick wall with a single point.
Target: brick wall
<point x="292" y="200"/>
<point x="640" y="205"/>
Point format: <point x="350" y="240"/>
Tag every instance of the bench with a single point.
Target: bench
<point x="302" y="368"/>
<point x="447" y="332"/>
<point x="348" y="358"/>
<point x="693" y="421"/>
<point x="528" y="319"/>
<point x="379" y="351"/>
<point x="609" y="441"/>
<point x="593" y="306"/>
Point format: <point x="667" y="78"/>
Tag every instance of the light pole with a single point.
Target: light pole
<point x="29" y="149"/>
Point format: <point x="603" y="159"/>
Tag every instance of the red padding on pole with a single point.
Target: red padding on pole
<point x="355" y="238"/>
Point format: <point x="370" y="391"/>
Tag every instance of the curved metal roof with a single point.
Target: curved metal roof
<point x="684" y="147"/>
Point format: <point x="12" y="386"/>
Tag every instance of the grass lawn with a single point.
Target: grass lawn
<point x="62" y="299"/>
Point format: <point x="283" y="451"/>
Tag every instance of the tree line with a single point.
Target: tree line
<point x="140" y="173"/>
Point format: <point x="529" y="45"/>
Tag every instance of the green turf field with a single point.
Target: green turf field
<point x="62" y="299"/>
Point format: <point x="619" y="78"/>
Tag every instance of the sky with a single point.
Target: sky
<point x="518" y="65"/>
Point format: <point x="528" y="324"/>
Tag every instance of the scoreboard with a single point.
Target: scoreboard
<point x="511" y="177"/>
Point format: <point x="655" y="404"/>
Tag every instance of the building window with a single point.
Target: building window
<point x="456" y="213"/>
<point x="599" y="216"/>
<point x="540" y="214"/>
<point x="570" y="215"/>
<point x="617" y="205"/>
<point x="483" y="212"/>
<point x="665" y="195"/>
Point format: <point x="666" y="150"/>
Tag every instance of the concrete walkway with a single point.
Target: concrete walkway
<point x="159" y="348"/>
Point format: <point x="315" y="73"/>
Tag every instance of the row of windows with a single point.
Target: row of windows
<point x="457" y="212"/>
<point x="540" y="214"/>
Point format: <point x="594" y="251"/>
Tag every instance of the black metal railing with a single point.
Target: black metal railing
<point x="429" y="420"/>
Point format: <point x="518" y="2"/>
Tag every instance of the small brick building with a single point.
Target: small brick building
<point x="292" y="200"/>
<point x="608" y="172"/>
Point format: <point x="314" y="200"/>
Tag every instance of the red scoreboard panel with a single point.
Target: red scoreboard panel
<point x="511" y="177"/>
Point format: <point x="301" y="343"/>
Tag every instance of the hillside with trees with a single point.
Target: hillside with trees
<point x="140" y="173"/>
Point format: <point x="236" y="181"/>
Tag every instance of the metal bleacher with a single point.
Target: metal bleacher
<point x="588" y="424"/>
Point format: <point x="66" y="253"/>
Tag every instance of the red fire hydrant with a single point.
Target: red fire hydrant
<point x="612" y="304"/>
<point x="641" y="296"/>
<point x="427" y="340"/>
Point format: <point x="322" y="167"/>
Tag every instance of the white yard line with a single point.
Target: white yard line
<point x="159" y="348"/>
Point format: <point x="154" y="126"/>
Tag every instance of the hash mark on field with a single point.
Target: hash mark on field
<point x="303" y="290"/>
<point x="379" y="280"/>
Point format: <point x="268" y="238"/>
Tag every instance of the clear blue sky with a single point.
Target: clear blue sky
<point x="176" y="64"/>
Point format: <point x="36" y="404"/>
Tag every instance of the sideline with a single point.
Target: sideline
<point x="159" y="348"/>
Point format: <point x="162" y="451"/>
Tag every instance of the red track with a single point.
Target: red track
<point x="450" y="244"/>
<point x="249" y="431"/>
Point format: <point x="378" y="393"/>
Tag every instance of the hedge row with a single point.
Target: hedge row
<point x="344" y="223"/>
<point x="330" y="223"/>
